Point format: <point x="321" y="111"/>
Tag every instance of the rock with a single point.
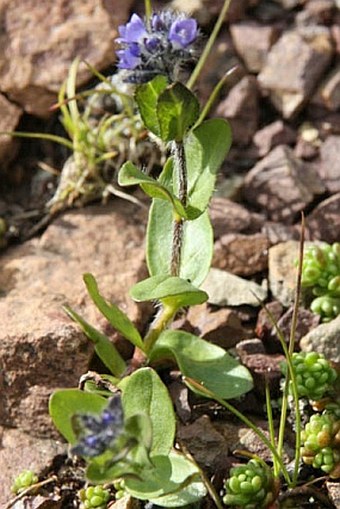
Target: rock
<point x="324" y="339"/>
<point x="264" y="367"/>
<point x="282" y="271"/>
<point x="219" y="62"/>
<point x="36" y="279"/>
<point x="276" y="133"/>
<point x="316" y="12"/>
<point x="250" y="441"/>
<point x="203" y="441"/>
<point x="230" y="217"/>
<point x="329" y="168"/>
<point x="264" y="325"/>
<point x="249" y="347"/>
<point x="306" y="321"/>
<point x="225" y="289"/>
<point x="281" y="185"/>
<point x="9" y="119"/>
<point x="328" y="94"/>
<point x="243" y="255"/>
<point x="20" y="451"/>
<point x="39" y="502"/>
<point x="324" y="222"/>
<point x="42" y="42"/>
<point x="126" y="502"/>
<point x="222" y="327"/>
<point x="333" y="489"/>
<point x="253" y="42"/>
<point x="293" y="69"/>
<point x="278" y="232"/>
<point x="289" y="4"/>
<point x="241" y="108"/>
<point x="206" y="11"/>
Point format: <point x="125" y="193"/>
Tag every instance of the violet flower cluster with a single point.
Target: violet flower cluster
<point x="98" y="432"/>
<point x="161" y="45"/>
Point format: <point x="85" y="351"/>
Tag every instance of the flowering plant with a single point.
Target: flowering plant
<point x="130" y="436"/>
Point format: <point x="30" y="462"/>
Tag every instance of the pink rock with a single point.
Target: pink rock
<point x="276" y="133"/>
<point x="9" y="119"/>
<point x="228" y="216"/>
<point x="42" y="42"/>
<point x="324" y="222"/>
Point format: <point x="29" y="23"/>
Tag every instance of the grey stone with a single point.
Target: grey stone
<point x="241" y="108"/>
<point x="329" y="168"/>
<point x="293" y="69"/>
<point x="253" y="42"/>
<point x="324" y="339"/>
<point x="282" y="271"/>
<point x="225" y="289"/>
<point x="324" y="222"/>
<point x="282" y="185"/>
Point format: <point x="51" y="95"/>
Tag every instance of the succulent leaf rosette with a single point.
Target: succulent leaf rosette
<point x="94" y="497"/>
<point x="250" y="486"/>
<point x="314" y="375"/>
<point x="321" y="273"/>
<point x="321" y="443"/>
<point x="24" y="480"/>
<point x="159" y="46"/>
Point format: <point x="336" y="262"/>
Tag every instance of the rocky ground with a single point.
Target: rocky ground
<point x="283" y="102"/>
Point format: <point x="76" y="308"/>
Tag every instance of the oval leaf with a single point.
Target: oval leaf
<point x="205" y="149"/>
<point x="113" y="314"/>
<point x="197" y="247"/>
<point x="64" y="404"/>
<point x="170" y="474"/>
<point x="209" y="364"/>
<point x="145" y="393"/>
<point x="147" y="97"/>
<point x="175" y="290"/>
<point x="177" y="111"/>
<point x="130" y="175"/>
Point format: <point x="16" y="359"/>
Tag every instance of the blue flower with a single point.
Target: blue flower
<point x="162" y="46"/>
<point x="183" y="32"/>
<point x="133" y="31"/>
<point x="97" y="433"/>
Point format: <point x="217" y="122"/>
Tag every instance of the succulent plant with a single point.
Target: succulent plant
<point x="321" y="272"/>
<point x="25" y="479"/>
<point x="315" y="376"/>
<point x="94" y="497"/>
<point x="321" y="442"/>
<point x="250" y="486"/>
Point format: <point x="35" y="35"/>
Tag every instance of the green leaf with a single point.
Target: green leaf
<point x="64" y="404"/>
<point x="113" y="314"/>
<point x="197" y="248"/>
<point x="205" y="149"/>
<point x="145" y="393"/>
<point x="206" y="363"/>
<point x="129" y="454"/>
<point x="104" y="348"/>
<point x="170" y="475"/>
<point x="177" y="111"/>
<point x="178" y="292"/>
<point x="130" y="175"/>
<point x="147" y="97"/>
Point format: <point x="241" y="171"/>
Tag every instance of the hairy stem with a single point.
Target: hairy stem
<point x="177" y="237"/>
<point x="165" y="316"/>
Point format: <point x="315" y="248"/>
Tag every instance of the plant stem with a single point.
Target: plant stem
<point x="177" y="236"/>
<point x="271" y="427"/>
<point x="206" y="392"/>
<point x="209" y="45"/>
<point x="165" y="315"/>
